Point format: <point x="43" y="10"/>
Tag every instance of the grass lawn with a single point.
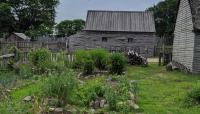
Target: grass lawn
<point x="160" y="92"/>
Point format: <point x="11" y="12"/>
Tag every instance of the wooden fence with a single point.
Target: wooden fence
<point x="165" y="54"/>
<point x="25" y="47"/>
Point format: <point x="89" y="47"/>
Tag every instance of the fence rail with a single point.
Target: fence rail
<point x="25" y="47"/>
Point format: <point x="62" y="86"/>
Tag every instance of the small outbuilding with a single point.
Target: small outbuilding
<point x="117" y="31"/>
<point x="15" y="37"/>
<point x="186" y="47"/>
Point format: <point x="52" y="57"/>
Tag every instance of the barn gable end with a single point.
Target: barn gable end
<point x="186" y="49"/>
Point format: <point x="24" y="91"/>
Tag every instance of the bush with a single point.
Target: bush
<point x="100" y="58"/>
<point x="80" y="57"/>
<point x="89" y="91"/>
<point x="40" y="58"/>
<point x="118" y="63"/>
<point x="25" y="71"/>
<point x="193" y="97"/>
<point x="61" y="87"/>
<point x="88" y="67"/>
<point x="111" y="98"/>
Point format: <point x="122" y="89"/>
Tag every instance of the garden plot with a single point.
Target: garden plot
<point x="46" y="87"/>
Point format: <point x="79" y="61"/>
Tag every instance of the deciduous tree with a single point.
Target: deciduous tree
<point x="70" y="27"/>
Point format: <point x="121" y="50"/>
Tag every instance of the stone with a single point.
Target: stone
<point x="58" y="110"/>
<point x="132" y="96"/>
<point x="120" y="103"/>
<point x="102" y="103"/>
<point x="92" y="110"/>
<point x="169" y="67"/>
<point x="133" y="105"/>
<point x="136" y="107"/>
<point x="96" y="104"/>
<point x="91" y="104"/>
<point x="28" y="98"/>
<point x="51" y="109"/>
<point x="8" y="90"/>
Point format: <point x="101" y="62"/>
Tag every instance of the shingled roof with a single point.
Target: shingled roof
<point x="123" y="21"/>
<point x="195" y="8"/>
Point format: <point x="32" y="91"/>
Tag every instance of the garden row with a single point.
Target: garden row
<point x="59" y="87"/>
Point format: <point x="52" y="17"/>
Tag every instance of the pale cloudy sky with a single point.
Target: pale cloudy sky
<point x="77" y="9"/>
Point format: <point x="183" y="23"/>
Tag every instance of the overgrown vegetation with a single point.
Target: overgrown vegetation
<point x="193" y="97"/>
<point x="40" y="58"/>
<point x="111" y="96"/>
<point x="118" y="62"/>
<point x="89" y="91"/>
<point x="60" y="87"/>
<point x="152" y="88"/>
<point x="100" y="58"/>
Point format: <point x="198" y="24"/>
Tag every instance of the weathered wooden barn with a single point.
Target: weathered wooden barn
<point x="186" y="47"/>
<point x="117" y="31"/>
<point x="14" y="37"/>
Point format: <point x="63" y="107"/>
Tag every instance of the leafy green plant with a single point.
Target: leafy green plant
<point x="79" y="57"/>
<point x="193" y="97"/>
<point x="88" y="67"/>
<point x="100" y="58"/>
<point x="7" y="79"/>
<point x="25" y="71"/>
<point x="111" y="98"/>
<point x="40" y="58"/>
<point x="89" y="91"/>
<point x="118" y="63"/>
<point x="124" y="88"/>
<point x="61" y="87"/>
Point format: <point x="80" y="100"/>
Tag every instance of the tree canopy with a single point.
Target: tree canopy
<point x="165" y="13"/>
<point x="28" y="16"/>
<point x="70" y="27"/>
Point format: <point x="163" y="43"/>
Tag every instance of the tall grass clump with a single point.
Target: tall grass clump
<point x="24" y="71"/>
<point x="100" y="58"/>
<point x="60" y="64"/>
<point x="117" y="63"/>
<point x="60" y="87"/>
<point x="193" y="97"/>
<point x="88" y="67"/>
<point x="79" y="58"/>
<point x="111" y="98"/>
<point x="40" y="58"/>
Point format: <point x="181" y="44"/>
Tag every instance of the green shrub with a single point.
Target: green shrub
<point x="111" y="98"/>
<point x="7" y="79"/>
<point x="193" y="97"/>
<point x="25" y="71"/>
<point x="61" y="87"/>
<point x="100" y="58"/>
<point x="89" y="91"/>
<point x="79" y="57"/>
<point x="118" y="63"/>
<point x="88" y="67"/>
<point x="40" y="58"/>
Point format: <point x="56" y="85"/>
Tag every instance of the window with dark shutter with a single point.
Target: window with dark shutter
<point x="130" y="40"/>
<point x="104" y="39"/>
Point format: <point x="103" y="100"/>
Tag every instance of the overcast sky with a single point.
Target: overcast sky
<point x="77" y="9"/>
